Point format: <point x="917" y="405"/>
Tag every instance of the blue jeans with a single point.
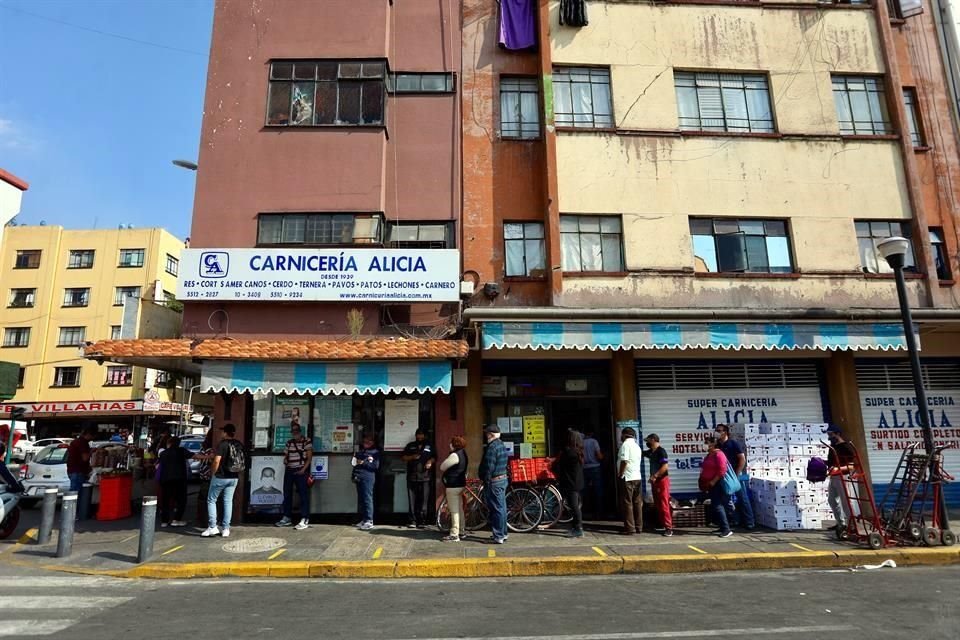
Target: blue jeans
<point x="593" y="489"/>
<point x="77" y="480"/>
<point x="718" y="503"/>
<point x="740" y="510"/>
<point x="225" y="486"/>
<point x="365" y="496"/>
<point x="495" y="495"/>
<point x="300" y="479"/>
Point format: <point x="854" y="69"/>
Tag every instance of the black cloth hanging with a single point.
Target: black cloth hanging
<point x="573" y="13"/>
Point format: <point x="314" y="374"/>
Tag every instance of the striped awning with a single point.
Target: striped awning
<point x="321" y="378"/>
<point x="605" y="336"/>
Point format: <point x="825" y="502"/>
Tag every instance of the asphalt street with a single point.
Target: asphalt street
<point x="916" y="603"/>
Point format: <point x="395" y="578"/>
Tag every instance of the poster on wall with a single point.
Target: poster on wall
<point x="266" y="481"/>
<point x="319" y="467"/>
<point x="401" y="417"/>
<point x="333" y="424"/>
<point x="286" y="410"/>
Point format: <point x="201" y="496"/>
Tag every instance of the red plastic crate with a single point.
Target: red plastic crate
<point x="522" y="470"/>
<point x="542" y="469"/>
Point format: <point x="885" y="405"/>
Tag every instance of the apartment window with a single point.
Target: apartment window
<point x="319" y="229"/>
<point x="173" y="265"/>
<point x="122" y="293"/>
<point x="729" y="245"/>
<point x="402" y="82"/>
<point x="21" y="374"/>
<point x="66" y="377"/>
<point x="326" y="92"/>
<point x="913" y="116"/>
<point x="940" y="256"/>
<point x="131" y="257"/>
<point x="523" y="248"/>
<point x="418" y="235"/>
<point x="119" y="377"/>
<point x="870" y="232"/>
<point x="591" y="243"/>
<point x="115" y="332"/>
<point x="28" y="259"/>
<point x="164" y="379"/>
<point x="723" y="102"/>
<point x="71" y="336"/>
<point x="519" y="108"/>
<point x="22" y="297"/>
<point x="16" y="336"/>
<point x="80" y="259"/>
<point x="76" y="297"/>
<point x="581" y="97"/>
<point x="861" y="105"/>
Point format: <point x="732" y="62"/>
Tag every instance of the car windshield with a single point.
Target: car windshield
<point x="191" y="445"/>
<point x="54" y="454"/>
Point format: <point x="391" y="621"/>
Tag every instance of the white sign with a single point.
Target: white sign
<point x="266" y="480"/>
<point x="401" y="417"/>
<point x="331" y="275"/>
<point x="320" y="467"/>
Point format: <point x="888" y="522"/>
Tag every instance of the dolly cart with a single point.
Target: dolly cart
<point x="863" y="518"/>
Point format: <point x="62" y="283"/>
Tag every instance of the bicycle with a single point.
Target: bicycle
<point x="524" y="509"/>
<point x="555" y="508"/>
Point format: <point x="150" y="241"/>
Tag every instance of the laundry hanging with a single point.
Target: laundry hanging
<point x="573" y="13"/>
<point x="517" y="24"/>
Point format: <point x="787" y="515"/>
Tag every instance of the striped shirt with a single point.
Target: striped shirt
<point x="297" y="451"/>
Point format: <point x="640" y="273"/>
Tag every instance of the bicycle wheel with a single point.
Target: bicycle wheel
<point x="524" y="509"/>
<point x="443" y="516"/>
<point x="474" y="510"/>
<point x="552" y="506"/>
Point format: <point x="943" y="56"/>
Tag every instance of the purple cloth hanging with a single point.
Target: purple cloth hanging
<point x="517" y="24"/>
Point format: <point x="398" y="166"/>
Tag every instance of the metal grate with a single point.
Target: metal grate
<point x="727" y="375"/>
<point x="890" y="376"/>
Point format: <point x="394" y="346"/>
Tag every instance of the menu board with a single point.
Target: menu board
<point x="333" y="424"/>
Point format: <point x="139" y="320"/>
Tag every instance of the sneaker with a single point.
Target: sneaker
<point x="725" y="535"/>
<point x="451" y="538"/>
<point x="411" y="525"/>
<point x="358" y="525"/>
<point x="660" y="529"/>
<point x="303" y="524"/>
<point x="366" y="526"/>
<point x="225" y="532"/>
<point x="178" y="523"/>
<point x="210" y="531"/>
<point x="421" y="526"/>
<point x="667" y="533"/>
<point x="575" y="533"/>
<point x="284" y="522"/>
<point x="499" y="540"/>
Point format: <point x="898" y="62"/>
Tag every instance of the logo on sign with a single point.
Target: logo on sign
<point x="214" y="264"/>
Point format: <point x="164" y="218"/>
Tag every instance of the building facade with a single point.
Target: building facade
<point x="11" y="194"/>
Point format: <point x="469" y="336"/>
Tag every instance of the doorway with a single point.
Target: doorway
<point x="587" y="415"/>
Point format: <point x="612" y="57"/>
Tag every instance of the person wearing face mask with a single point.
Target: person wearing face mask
<point x="365" y="462"/>
<point x="454" y="470"/>
<point x="493" y="473"/>
<point x="711" y="482"/>
<point x="840" y="463"/>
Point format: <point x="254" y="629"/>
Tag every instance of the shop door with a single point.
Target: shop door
<point x="587" y="415"/>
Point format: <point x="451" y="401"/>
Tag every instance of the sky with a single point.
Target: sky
<point x="97" y="97"/>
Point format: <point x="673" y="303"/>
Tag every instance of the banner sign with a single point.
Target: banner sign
<point x="328" y="275"/>
<point x="96" y="406"/>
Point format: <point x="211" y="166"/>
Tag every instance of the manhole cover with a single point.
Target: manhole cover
<point x="254" y="545"/>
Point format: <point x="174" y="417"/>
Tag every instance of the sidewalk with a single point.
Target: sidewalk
<point x="110" y="548"/>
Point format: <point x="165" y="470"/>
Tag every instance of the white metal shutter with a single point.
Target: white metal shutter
<point x="683" y="402"/>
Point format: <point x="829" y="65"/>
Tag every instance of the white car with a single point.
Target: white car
<point x="48" y="469"/>
<point x="26" y="450"/>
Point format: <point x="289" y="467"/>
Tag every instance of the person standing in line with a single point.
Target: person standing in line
<point x="174" y="471"/>
<point x="593" y="474"/>
<point x="568" y="468"/>
<point x="78" y="458"/>
<point x="493" y="473"/>
<point x="297" y="457"/>
<point x="711" y="482"/>
<point x="365" y="462"/>
<point x="419" y="457"/>
<point x="631" y="482"/>
<point x="741" y="513"/>
<point x="228" y="463"/>
<point x="839" y="463"/>
<point x="454" y="470"/>
<point x="660" y="482"/>
<point x="205" y="456"/>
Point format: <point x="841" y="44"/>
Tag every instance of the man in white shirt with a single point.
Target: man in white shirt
<point x="631" y="482"/>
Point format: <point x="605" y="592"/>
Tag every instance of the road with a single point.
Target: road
<point x="919" y="603"/>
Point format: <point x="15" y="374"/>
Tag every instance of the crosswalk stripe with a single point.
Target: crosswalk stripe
<point x="61" y="602"/>
<point x="21" y="628"/>
<point x="53" y="582"/>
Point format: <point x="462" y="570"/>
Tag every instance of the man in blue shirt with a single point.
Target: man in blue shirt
<point x="493" y="474"/>
<point x="735" y="456"/>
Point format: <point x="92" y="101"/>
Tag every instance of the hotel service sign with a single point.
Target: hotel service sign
<point x="327" y="275"/>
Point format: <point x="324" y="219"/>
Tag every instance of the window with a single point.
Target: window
<point x="723" y="102"/>
<point x="122" y="293"/>
<point x="115" y="332"/>
<point x="861" y="105"/>
<point x="22" y="297"/>
<point x="418" y="235"/>
<point x="119" y="377"/>
<point x="76" y="297"/>
<point x="71" y="336"/>
<point x="29" y="259"/>
<point x="591" y="243"/>
<point x="940" y="256"/>
<point x="724" y="245"/>
<point x="523" y="249"/>
<point x="21" y="374"/>
<point x="581" y="97"/>
<point x="519" y="108"/>
<point x="66" y="377"/>
<point x="870" y="232"/>
<point x="173" y="265"/>
<point x="16" y="337"/>
<point x="319" y="229"/>
<point x="80" y="259"/>
<point x="131" y="257"/>
<point x="913" y="116"/>
<point x="326" y="92"/>
<point x="420" y="82"/>
<point x="164" y="379"/>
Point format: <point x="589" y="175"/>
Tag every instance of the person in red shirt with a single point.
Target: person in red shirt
<point x="78" y="459"/>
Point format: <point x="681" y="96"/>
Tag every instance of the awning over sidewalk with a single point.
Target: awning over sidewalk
<point x="617" y="335"/>
<point x="242" y="376"/>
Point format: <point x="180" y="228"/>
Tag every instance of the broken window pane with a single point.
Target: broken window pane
<point x="302" y="108"/>
<point x="279" y="105"/>
<point x="348" y="111"/>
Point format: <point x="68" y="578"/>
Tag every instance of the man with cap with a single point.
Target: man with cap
<point x="493" y="474"/>
<point x="631" y="482"/>
<point x="660" y="482"/>
<point x="226" y="461"/>
<point x="419" y="457"/>
<point x="840" y="463"/>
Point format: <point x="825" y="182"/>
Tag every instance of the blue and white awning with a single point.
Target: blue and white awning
<point x="605" y="336"/>
<point x="246" y="376"/>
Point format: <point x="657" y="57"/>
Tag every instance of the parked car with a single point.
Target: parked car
<point x="193" y="445"/>
<point x="26" y="450"/>
<point x="48" y="469"/>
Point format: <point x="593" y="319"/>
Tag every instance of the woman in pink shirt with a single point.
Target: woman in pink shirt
<point x="711" y="481"/>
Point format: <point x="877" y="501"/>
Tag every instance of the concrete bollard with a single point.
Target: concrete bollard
<point x="48" y="511"/>
<point x="68" y="516"/>
<point x="148" y="525"/>
<point x="83" y="502"/>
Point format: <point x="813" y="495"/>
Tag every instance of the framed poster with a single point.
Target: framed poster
<point x="287" y="409"/>
<point x="266" y="481"/>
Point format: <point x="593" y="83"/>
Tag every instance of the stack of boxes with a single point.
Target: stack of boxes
<point x="777" y="457"/>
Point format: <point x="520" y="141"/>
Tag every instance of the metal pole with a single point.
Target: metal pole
<point x="48" y="512"/>
<point x="923" y="415"/>
<point x="148" y="524"/>
<point x="68" y="514"/>
<point x="83" y="503"/>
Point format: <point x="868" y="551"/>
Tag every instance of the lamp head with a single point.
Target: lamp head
<point x="894" y="250"/>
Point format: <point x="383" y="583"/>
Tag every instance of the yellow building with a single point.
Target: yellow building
<point x="63" y="288"/>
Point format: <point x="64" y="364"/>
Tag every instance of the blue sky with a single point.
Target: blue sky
<point x="92" y="120"/>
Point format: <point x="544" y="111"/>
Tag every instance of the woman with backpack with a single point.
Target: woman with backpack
<point x="711" y="481"/>
<point x="228" y="463"/>
<point x="454" y="470"/>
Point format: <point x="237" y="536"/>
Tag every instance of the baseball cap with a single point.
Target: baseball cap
<point x="833" y="429"/>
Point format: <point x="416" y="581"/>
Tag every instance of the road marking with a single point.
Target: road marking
<point x="491" y="553"/>
<point x="61" y="602"/>
<point x="171" y="550"/>
<point x="692" y="633"/>
<point x="802" y="548"/>
<point x="277" y="554"/>
<point x="600" y="552"/>
<point x="31" y="534"/>
<point x="378" y="553"/>
<point x="52" y="582"/>
<point x="20" y="628"/>
<point x="697" y="549"/>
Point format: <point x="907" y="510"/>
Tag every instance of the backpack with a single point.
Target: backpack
<point x="816" y="470"/>
<point x="238" y="460"/>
